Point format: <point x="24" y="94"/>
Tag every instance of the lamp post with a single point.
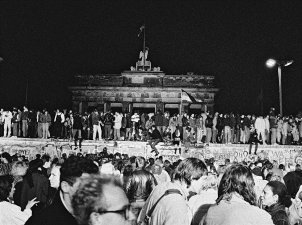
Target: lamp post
<point x="270" y="63"/>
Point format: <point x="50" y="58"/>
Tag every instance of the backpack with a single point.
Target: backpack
<point x="149" y="213"/>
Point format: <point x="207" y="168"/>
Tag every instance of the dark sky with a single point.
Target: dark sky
<point x="48" y="42"/>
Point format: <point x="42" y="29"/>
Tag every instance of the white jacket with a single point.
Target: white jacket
<point x="267" y="125"/>
<point x="260" y="124"/>
<point x="118" y="122"/>
<point x="7" y="117"/>
<point x="11" y="214"/>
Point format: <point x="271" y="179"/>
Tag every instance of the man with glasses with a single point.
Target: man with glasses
<point x="101" y="200"/>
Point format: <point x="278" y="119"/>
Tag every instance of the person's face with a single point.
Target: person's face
<point x="118" y="211"/>
<point x="55" y="177"/>
<point x="268" y="198"/>
<point x="157" y="169"/>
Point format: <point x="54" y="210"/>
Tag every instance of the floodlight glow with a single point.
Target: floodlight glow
<point x="271" y="63"/>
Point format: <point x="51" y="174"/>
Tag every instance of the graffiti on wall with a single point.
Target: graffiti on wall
<point x="236" y="153"/>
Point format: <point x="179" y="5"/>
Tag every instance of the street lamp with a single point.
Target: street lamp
<point x="270" y="63"/>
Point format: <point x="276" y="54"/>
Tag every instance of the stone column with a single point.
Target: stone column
<point x="130" y="107"/>
<point x="125" y="107"/>
<point x="75" y="106"/>
<point x="107" y="106"/>
<point x="80" y="107"/>
<point x="186" y="108"/>
<point x="159" y="106"/>
<point x="84" y="106"/>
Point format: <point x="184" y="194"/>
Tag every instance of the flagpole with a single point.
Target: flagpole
<point x="261" y="100"/>
<point x="144" y="48"/>
<point x="180" y="111"/>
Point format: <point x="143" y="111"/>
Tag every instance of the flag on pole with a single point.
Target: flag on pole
<point x="141" y="30"/>
<point x="188" y="97"/>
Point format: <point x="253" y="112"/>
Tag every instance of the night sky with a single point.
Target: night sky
<point x="48" y="42"/>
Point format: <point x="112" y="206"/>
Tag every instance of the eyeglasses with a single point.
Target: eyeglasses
<point x="124" y="212"/>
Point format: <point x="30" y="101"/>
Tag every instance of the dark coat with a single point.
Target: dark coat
<point x="159" y="119"/>
<point x="55" y="214"/>
<point x="77" y="122"/>
<point x="293" y="180"/>
<point x="156" y="135"/>
<point x="278" y="213"/>
<point x="39" y="190"/>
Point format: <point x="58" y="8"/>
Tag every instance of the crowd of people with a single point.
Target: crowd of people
<point x="117" y="189"/>
<point x="173" y="128"/>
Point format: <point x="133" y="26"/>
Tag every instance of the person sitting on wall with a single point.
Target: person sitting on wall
<point x="253" y="140"/>
<point x="141" y="134"/>
<point x="190" y="138"/>
<point x="167" y="136"/>
<point x="177" y="139"/>
<point x="155" y="139"/>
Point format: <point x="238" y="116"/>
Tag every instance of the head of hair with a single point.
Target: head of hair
<point x="19" y="168"/>
<point x="141" y="162"/>
<point x="5" y="187"/>
<point x="90" y="198"/>
<point x="167" y="163"/>
<point x="120" y="165"/>
<point x="269" y="176"/>
<point x="189" y="169"/>
<point x="278" y="188"/>
<point x="281" y="167"/>
<point x="227" y="161"/>
<point x="7" y="156"/>
<point x="142" y="178"/>
<point x="188" y="129"/>
<point x="151" y="161"/>
<point x="46" y="158"/>
<point x="74" y="167"/>
<point x="237" y="179"/>
<point x="132" y="159"/>
<point x="128" y="170"/>
<point x="55" y="161"/>
<point x="35" y="165"/>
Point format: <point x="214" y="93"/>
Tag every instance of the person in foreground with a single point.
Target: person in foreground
<point x="101" y="200"/>
<point x="274" y="199"/>
<point x="60" y="212"/>
<point x="168" y="202"/>
<point x="11" y="214"/>
<point x="236" y="202"/>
